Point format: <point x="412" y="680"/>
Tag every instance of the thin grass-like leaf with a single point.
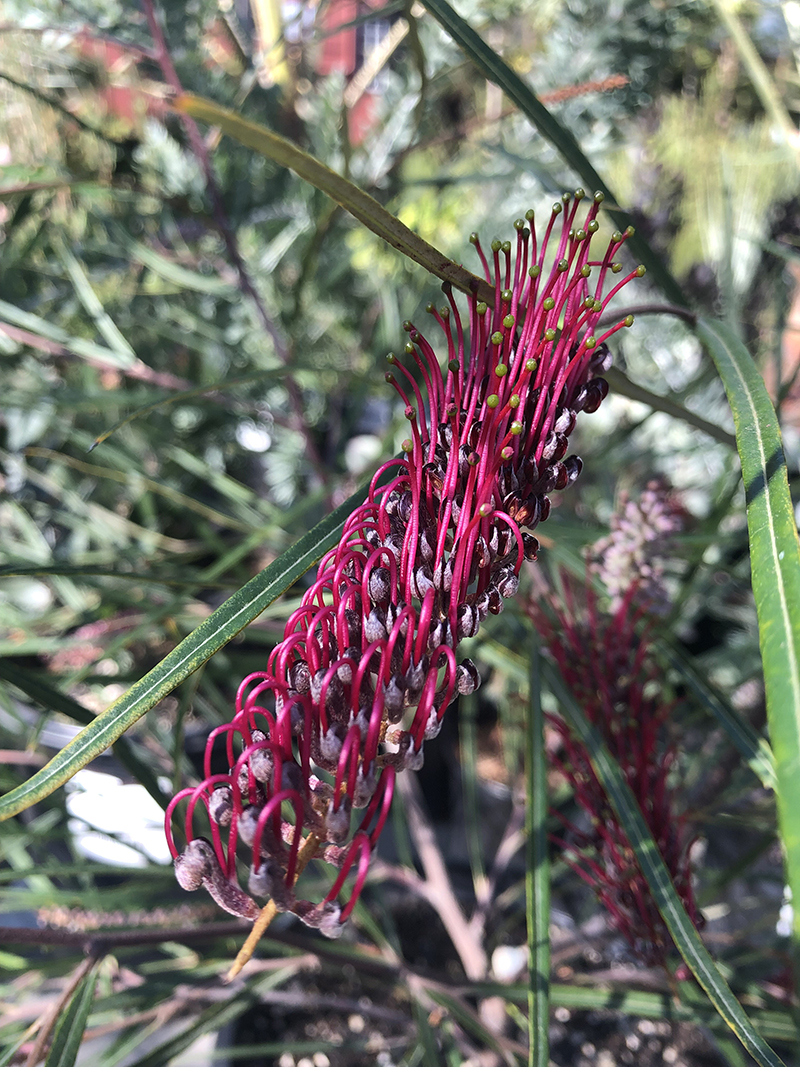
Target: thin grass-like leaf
<point x="214" y="632"/>
<point x="775" y="569"/>
<point x="278" y="373"/>
<point x="72" y="1024"/>
<point x="41" y="328"/>
<point x="360" y="204"/>
<point x="52" y="699"/>
<point x="686" y="938"/>
<point x="498" y="71"/>
<point x="537" y="876"/>
<point x="755" y="749"/>
<point x="622" y="385"/>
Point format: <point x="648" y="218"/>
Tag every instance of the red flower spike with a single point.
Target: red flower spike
<point x="607" y="667"/>
<point x="367" y="666"/>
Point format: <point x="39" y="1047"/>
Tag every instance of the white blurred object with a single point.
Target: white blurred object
<point x="783" y="927"/>
<point x="509" y="962"/>
<point x="100" y="804"/>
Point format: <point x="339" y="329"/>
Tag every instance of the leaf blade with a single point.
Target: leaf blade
<point x="360" y="204"/>
<point x="537" y="875"/>
<point x="775" y="569"/>
<point x="72" y="1024"/>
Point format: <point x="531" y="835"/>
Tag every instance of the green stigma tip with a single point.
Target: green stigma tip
<point x="535" y="270"/>
<point x="514" y="400"/>
<point x="531" y="365"/>
<point x="506" y="246"/>
<point x="516" y="428"/>
<point x="501" y="370"/>
<point x="496" y="245"/>
<point x="580" y="235"/>
<point x="562" y="265"/>
<point x="389" y="377"/>
<point x="641" y="270"/>
<point x="480" y="307"/>
<point x="550" y="334"/>
<point x="593" y="226"/>
<point x="530" y="214"/>
<point x="616" y="237"/>
<point x="616" y="268"/>
<point x="497" y="338"/>
<point x="586" y="270"/>
<point x="473" y="238"/>
<point x="444" y="312"/>
<point x="507" y="452"/>
<point x="391" y="358"/>
<point x="409" y="348"/>
<point x="548" y="303"/>
<point x="566" y="197"/>
<point x="507" y="295"/>
<point x="599" y="197"/>
<point x="628" y="320"/>
<point x="410" y="414"/>
<point x="587" y="303"/>
<point x="492" y="400"/>
<point x="508" y="322"/>
<point x="630" y="231"/>
<point x="597" y="306"/>
<point x="556" y="208"/>
<point x="590" y="342"/>
<point x="519" y="225"/>
<point x="430" y="308"/>
<point x="407" y="445"/>
<point x="453" y="365"/>
<point x="580" y="193"/>
<point x="484" y="510"/>
<point x="408" y="325"/>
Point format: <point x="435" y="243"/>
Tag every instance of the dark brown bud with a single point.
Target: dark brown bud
<point x="375" y="626"/>
<point x="379" y="584"/>
<point x="300" y="676"/>
<point x="468" y="621"/>
<point x="194" y="864"/>
<point x="220" y="805"/>
<point x="467" y="677"/>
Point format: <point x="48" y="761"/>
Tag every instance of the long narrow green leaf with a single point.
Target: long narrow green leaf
<point x="621" y="384"/>
<point x="755" y="749"/>
<point x="54" y="700"/>
<point x="72" y="1024"/>
<point x="537" y="876"/>
<point x="680" y="926"/>
<point x="278" y="373"/>
<point x="777" y="1026"/>
<point x="775" y="568"/>
<point x="91" y="303"/>
<point x="26" y="320"/>
<point x="497" y="70"/>
<point x="360" y="204"/>
<point x="214" y="632"/>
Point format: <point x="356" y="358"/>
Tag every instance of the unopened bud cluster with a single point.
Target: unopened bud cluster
<point x="367" y="665"/>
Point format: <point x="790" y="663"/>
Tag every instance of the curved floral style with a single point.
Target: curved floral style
<point x="367" y="666"/>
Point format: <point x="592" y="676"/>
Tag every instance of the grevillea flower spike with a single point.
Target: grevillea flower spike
<point x="367" y="665"/>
